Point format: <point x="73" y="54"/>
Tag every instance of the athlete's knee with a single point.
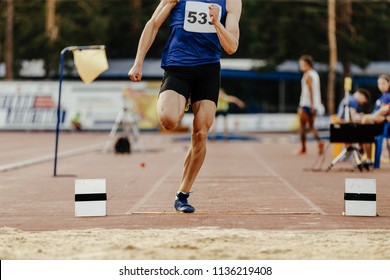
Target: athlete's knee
<point x="168" y="121"/>
<point x="199" y="137"/>
<point x="170" y="109"/>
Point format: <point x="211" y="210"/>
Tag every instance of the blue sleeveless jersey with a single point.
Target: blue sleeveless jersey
<point x="191" y="48"/>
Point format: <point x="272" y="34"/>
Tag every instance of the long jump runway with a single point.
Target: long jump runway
<point x="243" y="184"/>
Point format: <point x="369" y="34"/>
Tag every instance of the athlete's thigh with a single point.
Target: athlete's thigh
<point x="174" y="92"/>
<point x="170" y="100"/>
<point x="204" y="113"/>
<point x="303" y="116"/>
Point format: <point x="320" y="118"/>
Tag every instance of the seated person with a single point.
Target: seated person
<point x="380" y="113"/>
<point x="356" y="102"/>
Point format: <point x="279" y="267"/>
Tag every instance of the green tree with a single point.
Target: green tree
<point x="271" y="30"/>
<point x="280" y="30"/>
<point x="9" y="39"/>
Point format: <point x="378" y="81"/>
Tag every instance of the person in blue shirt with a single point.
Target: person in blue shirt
<point x="355" y="109"/>
<point x="356" y="102"/>
<point x="199" y="31"/>
<point x="380" y="113"/>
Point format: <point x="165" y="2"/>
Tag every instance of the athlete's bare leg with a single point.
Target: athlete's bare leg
<point x="311" y="127"/>
<point x="170" y="109"/>
<point x="204" y="112"/>
<point x="303" y="119"/>
<point x="308" y="120"/>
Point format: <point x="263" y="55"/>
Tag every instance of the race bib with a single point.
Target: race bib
<point x="197" y="18"/>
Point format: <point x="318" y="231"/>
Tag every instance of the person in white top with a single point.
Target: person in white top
<point x="310" y="102"/>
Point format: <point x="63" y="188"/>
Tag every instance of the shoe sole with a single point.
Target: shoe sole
<point x="185" y="212"/>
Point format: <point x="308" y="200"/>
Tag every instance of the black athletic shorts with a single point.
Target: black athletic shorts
<point x="200" y="82"/>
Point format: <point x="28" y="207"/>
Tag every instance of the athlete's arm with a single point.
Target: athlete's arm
<point x="229" y="35"/>
<point x="148" y="36"/>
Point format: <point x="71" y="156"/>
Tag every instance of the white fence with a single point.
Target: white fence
<point x="32" y="105"/>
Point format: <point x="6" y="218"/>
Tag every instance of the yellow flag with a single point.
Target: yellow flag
<point x="90" y="63"/>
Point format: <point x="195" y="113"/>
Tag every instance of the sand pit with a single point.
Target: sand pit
<point x="194" y="244"/>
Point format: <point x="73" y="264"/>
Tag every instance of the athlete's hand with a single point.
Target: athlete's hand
<point x="214" y="11"/>
<point x="135" y="73"/>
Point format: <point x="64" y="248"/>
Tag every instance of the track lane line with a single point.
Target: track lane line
<point x="37" y="160"/>
<point x="310" y="203"/>
<point x="152" y="190"/>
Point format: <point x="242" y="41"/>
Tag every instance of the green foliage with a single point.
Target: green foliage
<point x="371" y="22"/>
<point x="283" y="30"/>
<point x="29" y="36"/>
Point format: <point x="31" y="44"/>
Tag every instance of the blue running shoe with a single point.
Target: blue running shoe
<point x="181" y="203"/>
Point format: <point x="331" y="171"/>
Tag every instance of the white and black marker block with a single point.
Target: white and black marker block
<point x="360" y="197"/>
<point x="90" y="197"/>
